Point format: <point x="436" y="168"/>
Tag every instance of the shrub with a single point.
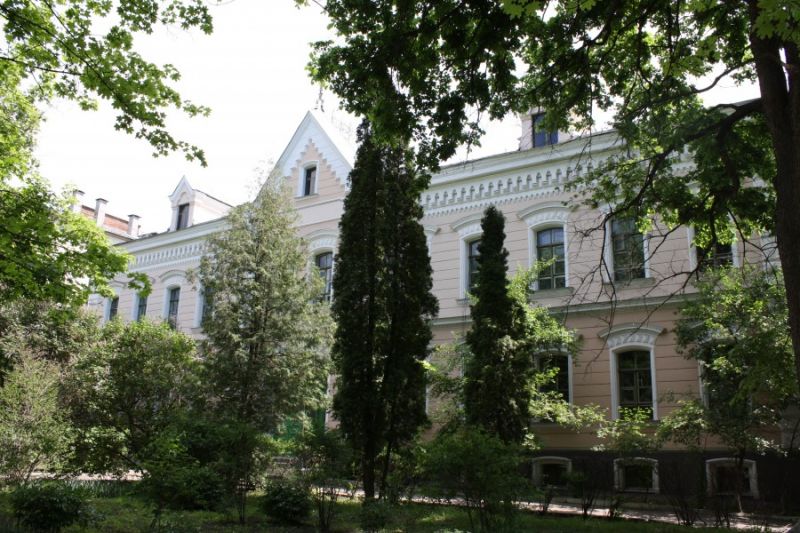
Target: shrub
<point x="49" y="506"/>
<point x="482" y="470"/>
<point x="375" y="515"/>
<point x="286" y="502"/>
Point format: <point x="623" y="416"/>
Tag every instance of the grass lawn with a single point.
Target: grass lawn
<point x="128" y="513"/>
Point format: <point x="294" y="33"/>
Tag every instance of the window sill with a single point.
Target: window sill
<point x="302" y="196"/>
<point x="561" y="292"/>
<point x="632" y="284"/>
<point x="463" y="302"/>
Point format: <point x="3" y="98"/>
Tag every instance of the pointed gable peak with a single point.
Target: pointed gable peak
<point x="316" y="129"/>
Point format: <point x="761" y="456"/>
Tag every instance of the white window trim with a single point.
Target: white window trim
<point x="537" y="462"/>
<point x="694" y="260"/>
<point x="541" y="217"/>
<point x="198" y="307"/>
<point x="136" y="298"/>
<point x="320" y="242"/>
<point x="619" y="473"/>
<point x="107" y="308"/>
<point x="569" y="371"/>
<point x="430" y="231"/>
<point x="749" y="464"/>
<point x="630" y="337"/>
<point x="469" y="230"/>
<point x="301" y="179"/>
<point x="608" y="255"/>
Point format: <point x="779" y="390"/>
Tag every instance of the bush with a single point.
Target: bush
<point x="176" y="480"/>
<point x="286" y="502"/>
<point x="375" y="515"/>
<point x="49" y="506"/>
<point x="480" y="469"/>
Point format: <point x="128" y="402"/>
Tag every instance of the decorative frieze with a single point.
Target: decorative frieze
<point x="180" y="253"/>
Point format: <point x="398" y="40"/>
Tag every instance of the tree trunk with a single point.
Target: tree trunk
<point x="780" y="94"/>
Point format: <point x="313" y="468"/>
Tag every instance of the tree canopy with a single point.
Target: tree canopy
<point x="430" y="70"/>
<point x="383" y="306"/>
<point x="85" y="51"/>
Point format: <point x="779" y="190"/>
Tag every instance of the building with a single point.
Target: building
<point x="117" y="229"/>
<point x="618" y="288"/>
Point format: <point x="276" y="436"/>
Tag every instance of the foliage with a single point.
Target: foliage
<point x="375" y="515"/>
<point x="34" y="430"/>
<point x="631" y="433"/>
<point x="382" y="306"/>
<point x="127" y="389"/>
<point x="431" y="71"/>
<point x="49" y="506"/>
<point x="61" y="50"/>
<point x="737" y="330"/>
<point x="46" y="330"/>
<point x="496" y="395"/>
<point x="503" y="388"/>
<point x="50" y="252"/>
<point x="266" y="347"/>
<point x="480" y="468"/>
<point x="326" y="463"/>
<point x="286" y="502"/>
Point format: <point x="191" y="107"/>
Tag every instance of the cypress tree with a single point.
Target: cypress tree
<point x="497" y="375"/>
<point x="382" y="306"/>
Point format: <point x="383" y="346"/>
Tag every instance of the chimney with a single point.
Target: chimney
<point x="100" y="211"/>
<point x="133" y="226"/>
<point x="77" y="197"/>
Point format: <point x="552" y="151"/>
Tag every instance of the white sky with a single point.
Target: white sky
<point x="251" y="72"/>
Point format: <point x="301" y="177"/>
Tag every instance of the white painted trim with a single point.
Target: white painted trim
<point x="301" y="178"/>
<point x="199" y="304"/>
<point x="546" y="216"/>
<point x="629" y="337"/>
<point x="165" y="306"/>
<point x="748" y="464"/>
<point x="537" y="462"/>
<point x="619" y="476"/>
<point x="465" y="239"/>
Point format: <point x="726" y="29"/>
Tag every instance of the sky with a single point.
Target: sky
<point x="251" y="73"/>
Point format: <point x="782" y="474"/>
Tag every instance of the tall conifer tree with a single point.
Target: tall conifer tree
<point x="382" y="306"/>
<point x="498" y="374"/>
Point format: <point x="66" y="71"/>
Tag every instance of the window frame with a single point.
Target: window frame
<point x="539" y="136"/>
<point x="625" y="338"/>
<point x="536" y="468"/>
<point x="750" y="469"/>
<point x="168" y="314"/>
<point x="139" y="313"/>
<point x="112" y="308"/>
<point x="619" y="474"/>
<point x="611" y="252"/>
<point x="537" y="253"/>
<point x="182" y="216"/>
<point x="327" y="291"/>
<point x="569" y="361"/>
<point x="471" y="272"/>
<point x="302" y="190"/>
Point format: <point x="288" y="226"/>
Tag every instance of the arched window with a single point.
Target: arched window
<point x="627" y="250"/>
<point x="550" y="248"/>
<point x="324" y="264"/>
<point x="473" y="253"/>
<point x="636" y="474"/>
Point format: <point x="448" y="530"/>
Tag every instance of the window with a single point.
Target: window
<point x="324" y="263"/>
<point x="113" y="307"/>
<point x="717" y="256"/>
<point x="141" y="307"/>
<point x="635" y="380"/>
<point x="560" y="383"/>
<point x="637" y="474"/>
<point x="723" y="475"/>
<point x="174" y="298"/>
<point x="309" y="180"/>
<point x="551" y="471"/>
<point x="183" y="216"/>
<point x="627" y="247"/>
<point x="208" y="303"/>
<point x="550" y="247"/>
<point x="542" y="137"/>
<point x="472" y="264"/>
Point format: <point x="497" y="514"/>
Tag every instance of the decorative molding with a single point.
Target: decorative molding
<point x="632" y="333"/>
<point x="322" y="240"/>
<point x="170" y="256"/>
<point x="547" y="213"/>
<point x="467" y="226"/>
<point x="172" y="274"/>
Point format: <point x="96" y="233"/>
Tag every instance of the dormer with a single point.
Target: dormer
<point x="534" y="135"/>
<point x="192" y="206"/>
